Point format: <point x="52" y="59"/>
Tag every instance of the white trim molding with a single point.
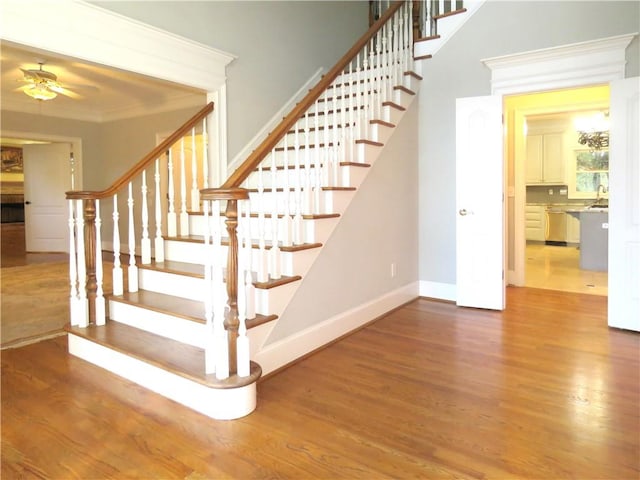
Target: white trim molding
<point x="439" y="290"/>
<point x="578" y="64"/>
<point x="80" y="30"/>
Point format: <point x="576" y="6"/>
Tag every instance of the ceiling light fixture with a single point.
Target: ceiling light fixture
<point x="39" y="91"/>
<point x="594" y="131"/>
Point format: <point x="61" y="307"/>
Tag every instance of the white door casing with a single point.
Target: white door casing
<point x="624" y="205"/>
<point x="479" y="203"/>
<point x="567" y="66"/>
<point x="47" y="176"/>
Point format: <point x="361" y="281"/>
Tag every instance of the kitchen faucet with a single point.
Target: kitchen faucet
<point x="604" y="190"/>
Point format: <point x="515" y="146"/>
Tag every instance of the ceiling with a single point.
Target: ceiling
<point x="106" y="93"/>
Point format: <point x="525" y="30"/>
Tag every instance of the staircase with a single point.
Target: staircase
<point x="186" y="317"/>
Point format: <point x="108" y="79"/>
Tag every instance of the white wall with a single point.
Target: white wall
<point x="279" y="45"/>
<point x="498" y="28"/>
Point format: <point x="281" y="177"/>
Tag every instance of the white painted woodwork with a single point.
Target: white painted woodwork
<point x="172" y="219"/>
<point x="184" y="217"/>
<point x="132" y="271"/>
<point x="567" y="66"/>
<point x="101" y="314"/>
<point x="158" y="249"/>
<point x="479" y="203"/>
<point x="624" y="206"/>
<point x="73" y="268"/>
<point x="47" y="176"/>
<point x="83" y="305"/>
<point x="117" y="273"/>
<point x="145" y="243"/>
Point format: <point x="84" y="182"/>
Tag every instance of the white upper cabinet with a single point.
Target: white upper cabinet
<point x="546" y="156"/>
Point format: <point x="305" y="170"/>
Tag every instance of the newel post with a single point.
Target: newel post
<point x="231" y="320"/>
<point x="89" y="214"/>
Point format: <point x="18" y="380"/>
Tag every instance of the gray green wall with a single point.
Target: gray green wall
<point x="279" y="45"/>
<point x="379" y="227"/>
<point x="498" y="28"/>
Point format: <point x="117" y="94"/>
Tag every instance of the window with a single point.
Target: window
<point x="590" y="172"/>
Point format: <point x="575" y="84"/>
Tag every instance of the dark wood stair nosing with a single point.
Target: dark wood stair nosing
<point x="449" y="14"/>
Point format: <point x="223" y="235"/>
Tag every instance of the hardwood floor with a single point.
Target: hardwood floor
<point x="543" y="390"/>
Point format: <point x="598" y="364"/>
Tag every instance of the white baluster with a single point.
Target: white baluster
<point x="145" y="243"/>
<point x="159" y="241"/>
<point x="396" y="53"/>
<point x="359" y="126"/>
<point x="73" y="268"/>
<point x="195" y="193"/>
<point x="209" y="350"/>
<point x="184" y="217"/>
<point x="83" y="304"/>
<point x="325" y="149"/>
<point x="410" y="40"/>
<point x="249" y="290"/>
<point x="219" y="299"/>
<point x="389" y="62"/>
<point x="297" y="218"/>
<point x="378" y="67"/>
<point x="172" y="220"/>
<point x="116" y="274"/>
<point x="343" y="123"/>
<point x="263" y="266"/>
<point x="286" y="221"/>
<point x="101" y="309"/>
<point x="205" y="154"/>
<point x="307" y="198"/>
<point x="352" y="105"/>
<point x="274" y="254"/>
<point x="244" y="256"/>
<point x="133" y="268"/>
<point x="335" y="164"/>
<point x="317" y="164"/>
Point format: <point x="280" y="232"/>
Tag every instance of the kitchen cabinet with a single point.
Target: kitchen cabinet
<point x="535" y="221"/>
<point x="545" y="163"/>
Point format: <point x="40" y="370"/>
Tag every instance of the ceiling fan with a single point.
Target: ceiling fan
<point x="43" y="85"/>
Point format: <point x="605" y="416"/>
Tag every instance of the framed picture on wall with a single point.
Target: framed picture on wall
<point x="11" y="160"/>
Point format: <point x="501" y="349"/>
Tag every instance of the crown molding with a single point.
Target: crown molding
<point x="84" y="31"/>
<point x="584" y="63"/>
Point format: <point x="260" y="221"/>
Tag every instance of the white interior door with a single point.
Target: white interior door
<point x="624" y="205"/>
<point x="47" y="177"/>
<point x="479" y="203"/>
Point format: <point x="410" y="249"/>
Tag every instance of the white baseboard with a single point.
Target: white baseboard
<point x="441" y="291"/>
<point x="282" y="352"/>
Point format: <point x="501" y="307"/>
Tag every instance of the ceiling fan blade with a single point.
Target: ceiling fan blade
<point x="65" y="91"/>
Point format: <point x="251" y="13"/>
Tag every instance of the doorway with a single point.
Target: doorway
<point x="542" y="124"/>
<point x="35" y="179"/>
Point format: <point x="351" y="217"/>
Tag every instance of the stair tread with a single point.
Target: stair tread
<point x="197" y="270"/>
<point x="182" y="307"/>
<point x="254" y="244"/>
<point x="449" y="14"/>
<point x="313" y="216"/>
<point x="170" y="355"/>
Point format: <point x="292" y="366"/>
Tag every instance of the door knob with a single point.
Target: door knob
<point x="27" y="202"/>
<point x="462" y="211"/>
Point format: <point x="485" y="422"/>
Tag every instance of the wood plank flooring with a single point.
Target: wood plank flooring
<point x="543" y="390"/>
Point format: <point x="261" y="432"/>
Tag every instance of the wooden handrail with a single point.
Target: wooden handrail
<point x="253" y="160"/>
<point x="146" y="160"/>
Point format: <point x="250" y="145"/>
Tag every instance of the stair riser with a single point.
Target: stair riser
<point x="290" y="262"/>
<point x="194" y="289"/>
<point x="351" y="79"/>
<point x="315" y="230"/>
<point x="304" y="139"/>
<point x="305" y="178"/>
<point x="361" y="154"/>
<point x="331" y="201"/>
<point x="169" y="326"/>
